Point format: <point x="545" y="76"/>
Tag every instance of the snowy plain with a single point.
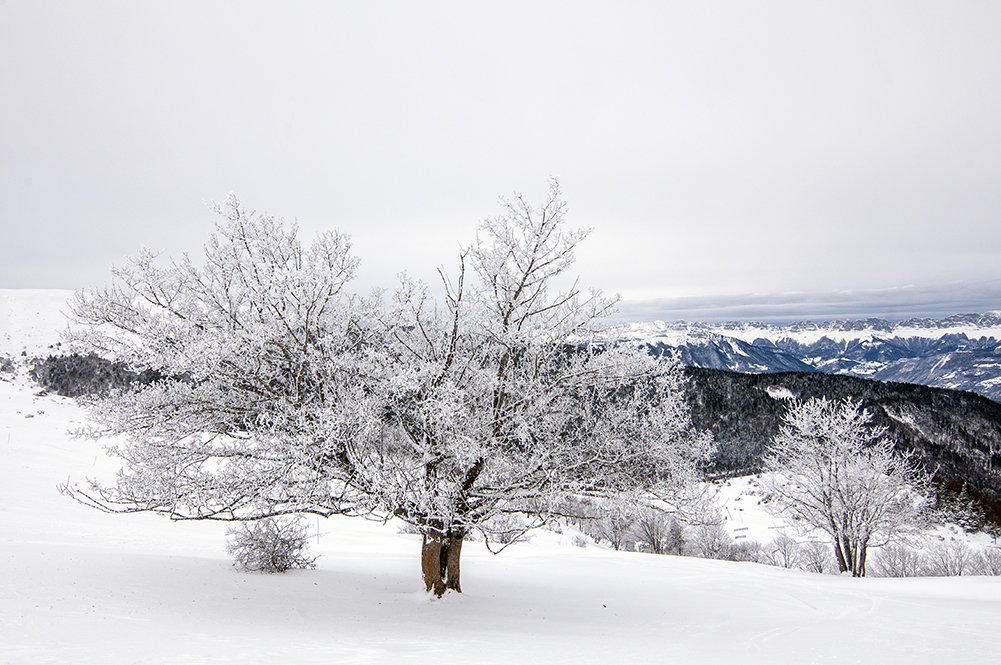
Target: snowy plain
<point x="80" y="586"/>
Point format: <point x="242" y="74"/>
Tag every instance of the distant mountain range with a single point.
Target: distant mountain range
<point x="961" y="352"/>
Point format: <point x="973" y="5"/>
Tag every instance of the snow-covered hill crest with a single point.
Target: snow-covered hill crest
<point x="31" y="320"/>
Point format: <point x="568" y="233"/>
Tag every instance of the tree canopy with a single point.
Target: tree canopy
<point x="282" y="393"/>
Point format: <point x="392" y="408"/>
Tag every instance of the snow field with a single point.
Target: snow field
<point x="81" y="586"/>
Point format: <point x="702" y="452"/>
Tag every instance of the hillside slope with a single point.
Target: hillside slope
<point x="955" y="434"/>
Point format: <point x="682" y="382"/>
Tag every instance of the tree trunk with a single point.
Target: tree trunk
<point x="440" y="562"/>
<point x="842" y="564"/>
<point x="851" y="556"/>
<point x="431" y="565"/>
<point x="451" y="573"/>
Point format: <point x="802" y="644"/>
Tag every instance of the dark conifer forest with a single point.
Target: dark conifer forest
<point x="953" y="434"/>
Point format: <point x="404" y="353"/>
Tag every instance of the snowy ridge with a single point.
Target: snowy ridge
<point x="31" y="320"/>
<point x="807" y="332"/>
<point x="961" y="352"/>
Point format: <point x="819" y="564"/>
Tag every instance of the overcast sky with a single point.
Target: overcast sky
<point x="736" y="160"/>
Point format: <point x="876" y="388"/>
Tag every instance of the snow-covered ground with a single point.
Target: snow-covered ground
<point x="31" y="320"/>
<point x="80" y="586"/>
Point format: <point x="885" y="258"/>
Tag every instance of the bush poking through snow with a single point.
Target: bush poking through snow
<point x="784" y="552"/>
<point x="950" y="559"/>
<point x="271" y="545"/>
<point x="988" y="562"/>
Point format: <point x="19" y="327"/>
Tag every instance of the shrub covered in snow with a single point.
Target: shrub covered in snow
<point x="271" y="545"/>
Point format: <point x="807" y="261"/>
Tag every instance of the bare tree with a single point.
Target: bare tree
<point x="617" y="523"/>
<point x="988" y="561"/>
<point x="829" y="471"/>
<point x="816" y="557"/>
<point x="654" y="529"/>
<point x="252" y="351"/>
<point x="952" y="558"/>
<point x="898" y="560"/>
<point x="499" y="399"/>
<point x="282" y="394"/>
<point x="784" y="552"/>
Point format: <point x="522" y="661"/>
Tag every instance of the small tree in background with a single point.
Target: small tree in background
<point x="898" y="560"/>
<point x="816" y="557"/>
<point x="988" y="561"/>
<point x="654" y="528"/>
<point x="617" y="523"/>
<point x="784" y="552"/>
<point x="951" y="558"/>
<point x="829" y="471"/>
<point x="747" y="550"/>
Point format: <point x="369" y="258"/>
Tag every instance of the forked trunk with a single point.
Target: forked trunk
<point x="440" y="562"/>
<point x="851" y="556"/>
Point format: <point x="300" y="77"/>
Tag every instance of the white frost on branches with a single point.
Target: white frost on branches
<point x="251" y="352"/>
<point x="280" y="393"/>
<point x="830" y="471"/>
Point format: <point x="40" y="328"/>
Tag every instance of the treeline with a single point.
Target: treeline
<point x="77" y="375"/>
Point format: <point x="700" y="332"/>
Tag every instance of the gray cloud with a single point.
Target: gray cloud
<point x="715" y="148"/>
<point x="891" y="304"/>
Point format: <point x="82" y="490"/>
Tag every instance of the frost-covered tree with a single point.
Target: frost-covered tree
<point x="658" y="531"/>
<point x="498" y="400"/>
<point x="829" y="471"/>
<point x="282" y="394"/>
<point x="254" y="346"/>
<point x="784" y="552"/>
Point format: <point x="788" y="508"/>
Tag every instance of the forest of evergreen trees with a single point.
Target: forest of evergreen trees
<point x="955" y="435"/>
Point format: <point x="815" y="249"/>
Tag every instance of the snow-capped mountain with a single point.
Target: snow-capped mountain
<point x="961" y="352"/>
